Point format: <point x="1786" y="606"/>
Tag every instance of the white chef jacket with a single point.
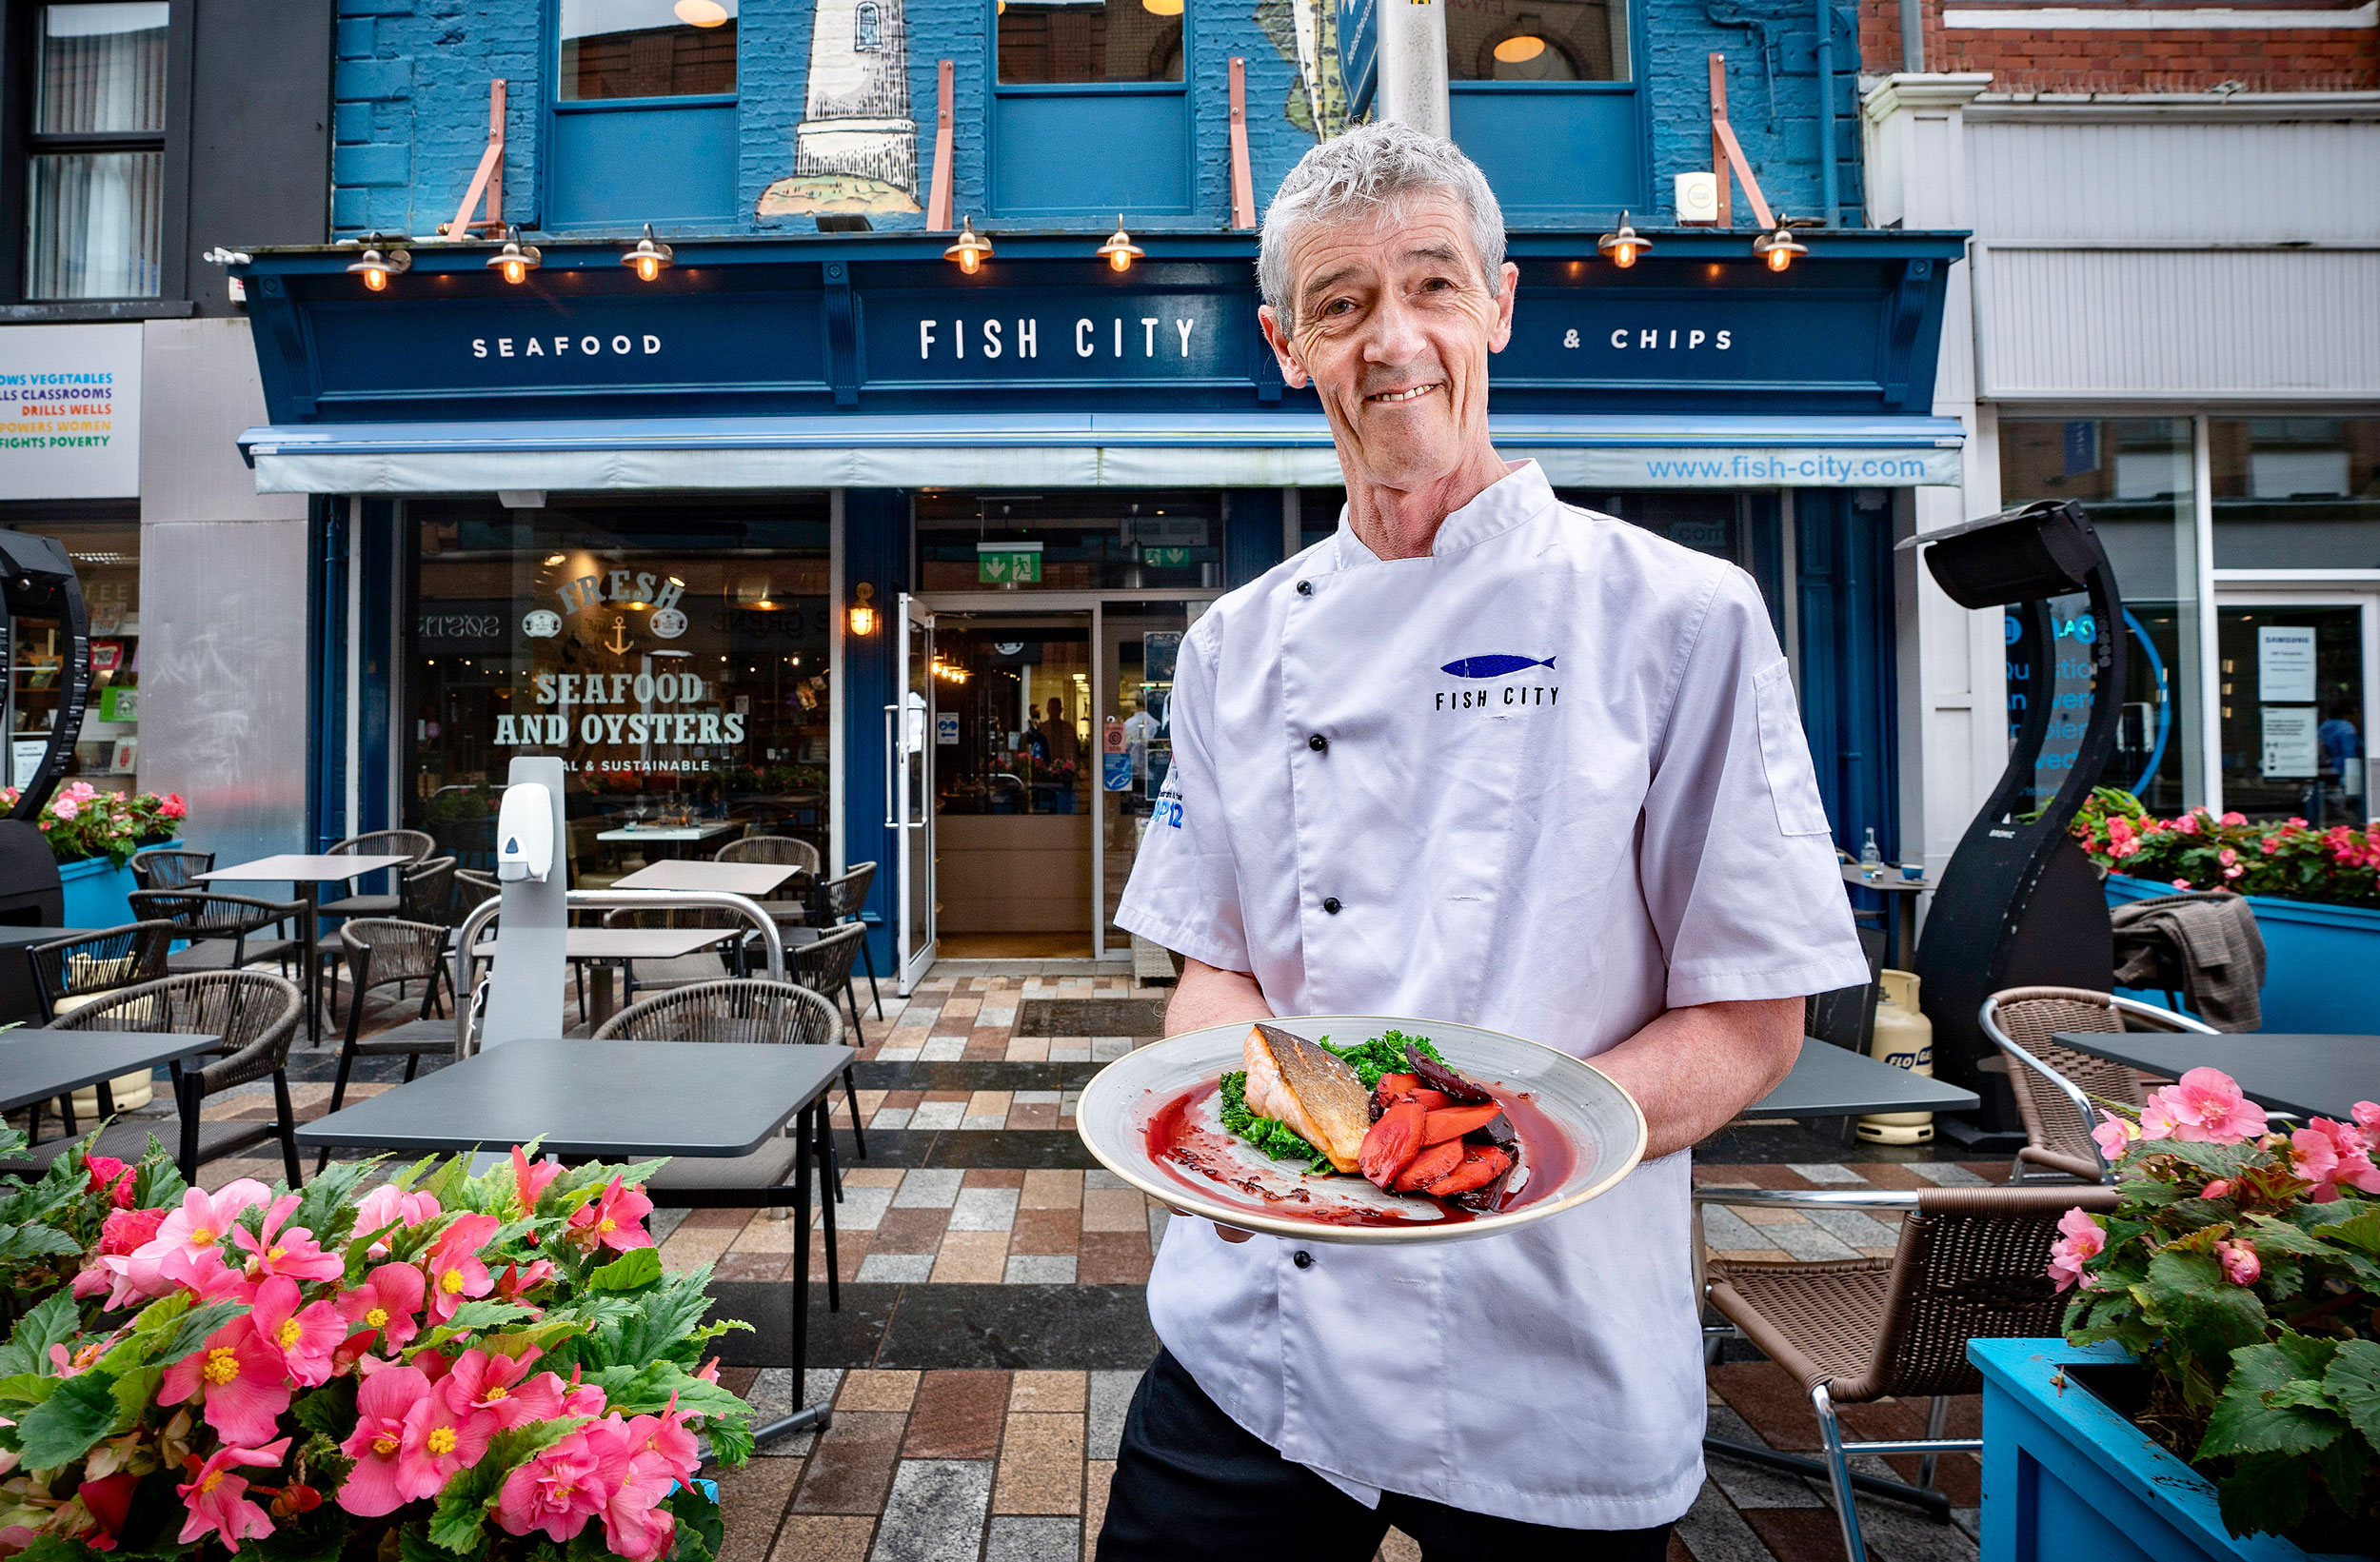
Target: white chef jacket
<point x="1562" y="851"/>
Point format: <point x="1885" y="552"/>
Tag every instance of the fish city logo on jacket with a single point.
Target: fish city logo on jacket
<point x="1494" y="669"/>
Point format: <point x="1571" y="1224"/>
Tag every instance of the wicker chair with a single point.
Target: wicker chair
<point x="68" y="973"/>
<point x="168" y="867"/>
<point x="768" y="1012"/>
<point x="839" y="899"/>
<point x="825" y="967"/>
<point x="222" y="930"/>
<point x="2055" y="1086"/>
<point x="779" y="851"/>
<point x="384" y="952"/>
<point x="1970" y="1264"/>
<point x="254" y="1013"/>
<point x="414" y="844"/>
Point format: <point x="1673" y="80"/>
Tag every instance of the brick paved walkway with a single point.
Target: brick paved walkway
<point x="993" y="1323"/>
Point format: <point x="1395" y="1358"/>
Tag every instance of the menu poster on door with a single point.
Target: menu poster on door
<point x="2285" y="665"/>
<point x="2290" y="750"/>
<point x="70" y="411"/>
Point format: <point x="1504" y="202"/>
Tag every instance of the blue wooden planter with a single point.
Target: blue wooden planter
<point x="98" y="894"/>
<point x="2312" y="956"/>
<point x="2065" y="1475"/>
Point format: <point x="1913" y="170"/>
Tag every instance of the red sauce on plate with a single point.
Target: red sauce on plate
<point x="1209" y="1161"/>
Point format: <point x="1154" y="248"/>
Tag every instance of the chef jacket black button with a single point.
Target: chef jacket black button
<point x="1317" y="742"/>
<point x="1305" y="588"/>
<point x="1303" y="1258"/>
<point x="1331" y="905"/>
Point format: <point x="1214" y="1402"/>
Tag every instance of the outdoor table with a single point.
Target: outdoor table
<point x="604" y="947"/>
<point x="37" y="1065"/>
<point x="19" y="997"/>
<point x="309" y="871"/>
<point x="678" y="838"/>
<point x="2312" y="1075"/>
<point x="1901" y="943"/>
<point x="618" y="1100"/>
<point x="753" y="879"/>
<point x="1831" y="1081"/>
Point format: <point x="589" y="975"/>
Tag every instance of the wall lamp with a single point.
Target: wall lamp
<point x="379" y="262"/>
<point x="515" y="260"/>
<point x="650" y="259"/>
<point x="1778" y="248"/>
<point x="1624" y="246"/>
<point x="1120" y="251"/>
<point x="971" y="251"/>
<point x="861" y="620"/>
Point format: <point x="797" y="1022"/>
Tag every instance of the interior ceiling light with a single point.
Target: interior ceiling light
<point x="1522" y="45"/>
<point x="376" y="265"/>
<point x="650" y="259"/>
<point x="969" y="250"/>
<point x="1778" y="248"/>
<point x="1161" y="8"/>
<point x="1624" y="246"/>
<point x="700" y="12"/>
<point x="515" y="260"/>
<point x="1120" y="251"/>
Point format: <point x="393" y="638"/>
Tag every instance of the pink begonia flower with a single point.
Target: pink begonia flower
<point x="456" y="1274"/>
<point x="439" y="1440"/>
<point x="292" y="1252"/>
<point x="2219" y="1188"/>
<point x="2367" y="1115"/>
<point x="125" y="1233"/>
<point x="558" y="1490"/>
<point x="2232" y="873"/>
<point x="2204" y="1106"/>
<point x="304" y="1337"/>
<point x="2240" y="1265"/>
<point x="494" y="1384"/>
<point x="173" y="807"/>
<point x="632" y="1502"/>
<point x="109" y="1500"/>
<point x="112" y="1175"/>
<point x="387" y="1303"/>
<point x="581" y="1398"/>
<point x="388" y="1205"/>
<point x="186" y="1248"/>
<point x="2187" y="824"/>
<point x="2181" y="883"/>
<point x="667" y="1436"/>
<point x="2328" y="1154"/>
<point x="246" y="1382"/>
<point x="531" y="1178"/>
<point x="2084" y="1238"/>
<point x="382" y="1402"/>
<point x="2227" y="857"/>
<point x="64" y="807"/>
<point x="515" y="1282"/>
<point x="614" y="1219"/>
<point x="218" y="1500"/>
<point x="2115" y="1135"/>
<point x="2269" y="844"/>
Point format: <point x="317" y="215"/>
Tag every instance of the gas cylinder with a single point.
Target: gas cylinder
<point x="1904" y="1039"/>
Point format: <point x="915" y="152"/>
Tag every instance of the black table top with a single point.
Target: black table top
<point x="2312" y="1074"/>
<point x="613" y="1100"/>
<point x="37" y="1064"/>
<point x="1831" y="1081"/>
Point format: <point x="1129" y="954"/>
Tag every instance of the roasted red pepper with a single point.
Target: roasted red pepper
<point x="1455" y="1122"/>
<point x="1392" y="1143"/>
<point x="1430" y="1164"/>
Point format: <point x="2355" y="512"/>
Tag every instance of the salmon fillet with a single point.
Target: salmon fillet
<point x="1316" y="1093"/>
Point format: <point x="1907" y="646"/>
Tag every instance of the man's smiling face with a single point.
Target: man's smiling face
<point x="1393" y="324"/>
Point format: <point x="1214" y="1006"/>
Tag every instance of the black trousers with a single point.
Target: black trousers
<point x="1190" y="1483"/>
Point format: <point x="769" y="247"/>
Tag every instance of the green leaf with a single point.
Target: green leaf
<point x="633" y="1268"/>
<point x="2272" y="1237"/>
<point x="2353" y="1384"/>
<point x="135" y="1392"/>
<point x="470" y="1318"/>
<point x="2207" y="1316"/>
<point x="413" y="1545"/>
<point x="328" y="1199"/>
<point x="700" y="1524"/>
<point x="2357" y="1225"/>
<point x="69" y="1423"/>
<point x="20" y="1243"/>
<point x="2341" y="1466"/>
<point x="27" y="1388"/>
<point x="196" y="1326"/>
<point x="2265" y="1408"/>
<point x="329" y="1410"/>
<point x="2264" y="1492"/>
<point x="158" y="1182"/>
<point x="463" y="1505"/>
<point x="53" y="1322"/>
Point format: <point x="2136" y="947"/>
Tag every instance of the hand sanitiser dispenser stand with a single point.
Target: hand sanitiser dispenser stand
<point x="2020" y="905"/>
<point x="526" y="978"/>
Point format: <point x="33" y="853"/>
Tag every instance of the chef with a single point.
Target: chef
<point x="1479" y="756"/>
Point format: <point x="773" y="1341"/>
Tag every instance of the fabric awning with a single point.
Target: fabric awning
<point x="1071" y="450"/>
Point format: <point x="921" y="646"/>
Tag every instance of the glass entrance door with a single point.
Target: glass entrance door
<point x="909" y="758"/>
<point x="2295" y="705"/>
<point x="1138" y="642"/>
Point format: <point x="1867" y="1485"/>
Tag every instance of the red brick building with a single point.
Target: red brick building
<point x="2262" y="46"/>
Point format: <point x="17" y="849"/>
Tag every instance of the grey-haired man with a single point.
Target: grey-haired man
<point x="1484" y="757"/>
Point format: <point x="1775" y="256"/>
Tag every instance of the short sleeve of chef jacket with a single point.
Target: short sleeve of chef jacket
<point x="1736" y="858"/>
<point x="1184" y="889"/>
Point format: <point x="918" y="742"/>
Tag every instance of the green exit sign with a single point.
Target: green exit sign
<point x="1165" y="558"/>
<point x="1008" y="563"/>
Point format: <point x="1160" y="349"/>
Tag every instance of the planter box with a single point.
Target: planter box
<point x="2066" y="1475"/>
<point x="2310" y="953"/>
<point x="98" y="894"/>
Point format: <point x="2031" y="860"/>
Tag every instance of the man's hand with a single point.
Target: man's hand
<point x="1207" y="996"/>
<point x="1693" y="1070"/>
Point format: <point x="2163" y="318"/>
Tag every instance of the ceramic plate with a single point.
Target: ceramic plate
<point x="1151" y="1117"/>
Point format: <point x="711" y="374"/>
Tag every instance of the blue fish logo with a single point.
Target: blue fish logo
<point x="1494" y="666"/>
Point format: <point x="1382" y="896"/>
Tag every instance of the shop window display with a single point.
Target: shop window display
<point x="106" y="754"/>
<point x="676" y="658"/>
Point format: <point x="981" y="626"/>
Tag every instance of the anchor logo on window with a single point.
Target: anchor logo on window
<point x="619" y="640"/>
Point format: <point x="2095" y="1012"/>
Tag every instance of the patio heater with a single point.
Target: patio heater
<point x="2019" y="904"/>
<point x="37" y="581"/>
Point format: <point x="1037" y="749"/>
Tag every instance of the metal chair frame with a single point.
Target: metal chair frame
<point x="2085" y="1113"/>
<point x="835" y="899"/>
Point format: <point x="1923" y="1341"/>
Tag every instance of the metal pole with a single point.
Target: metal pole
<point x="1913" y="36"/>
<point x="1827" y="174"/>
<point x="1413" y="66"/>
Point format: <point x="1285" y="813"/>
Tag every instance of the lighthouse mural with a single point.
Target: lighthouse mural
<point x="856" y="148"/>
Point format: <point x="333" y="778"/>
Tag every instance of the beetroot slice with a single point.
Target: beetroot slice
<point x="1438" y="1076"/>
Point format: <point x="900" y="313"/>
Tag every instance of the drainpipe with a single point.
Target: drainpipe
<point x="1913" y="37"/>
<point x="1413" y="65"/>
<point x="1827" y="180"/>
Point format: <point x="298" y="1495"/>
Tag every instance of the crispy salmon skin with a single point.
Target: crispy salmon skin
<point x="1317" y="1094"/>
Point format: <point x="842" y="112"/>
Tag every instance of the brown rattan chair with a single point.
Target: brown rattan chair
<point x="415" y="844"/>
<point x="385" y="952"/>
<point x="840" y="900"/>
<point x="168" y="867"/>
<point x="1971" y="1264"/>
<point x="225" y="931"/>
<point x="766" y="1012"/>
<point x="825" y="967"/>
<point x="71" y="971"/>
<point x="791" y="906"/>
<point x="2055" y="1086"/>
<point x="255" y="1017"/>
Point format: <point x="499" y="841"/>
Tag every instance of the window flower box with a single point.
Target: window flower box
<point x="98" y="892"/>
<point x="2309" y="949"/>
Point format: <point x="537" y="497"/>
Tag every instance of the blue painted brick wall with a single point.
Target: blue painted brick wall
<point x="412" y="113"/>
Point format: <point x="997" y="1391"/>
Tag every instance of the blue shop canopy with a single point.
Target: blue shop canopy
<point x="1073" y="450"/>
